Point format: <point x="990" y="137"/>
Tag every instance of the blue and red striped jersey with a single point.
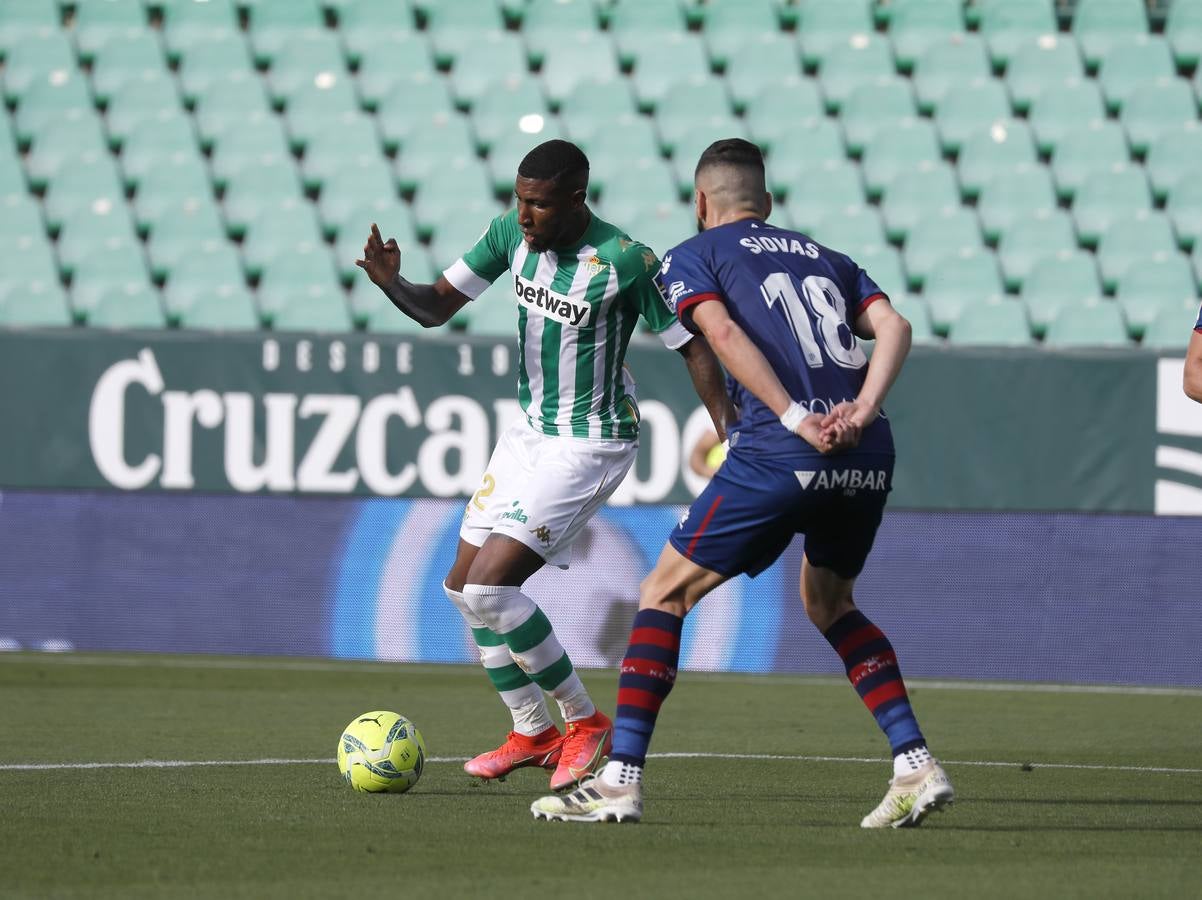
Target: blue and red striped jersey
<point x="797" y="301"/>
<point x="1198" y="325"/>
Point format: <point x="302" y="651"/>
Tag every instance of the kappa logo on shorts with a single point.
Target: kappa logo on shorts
<point x="851" y="479"/>
<point x="543" y="533"/>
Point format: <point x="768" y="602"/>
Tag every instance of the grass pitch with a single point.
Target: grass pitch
<point x="714" y="827"/>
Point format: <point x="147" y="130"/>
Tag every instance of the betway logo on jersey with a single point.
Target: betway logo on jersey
<point x="870" y="480"/>
<point x="546" y="302"/>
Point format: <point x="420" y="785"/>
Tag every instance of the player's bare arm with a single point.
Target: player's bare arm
<point x="710" y="382"/>
<point x="892" y="333"/>
<point x="430" y="305"/>
<point x="1193" y="368"/>
<point x="746" y="363"/>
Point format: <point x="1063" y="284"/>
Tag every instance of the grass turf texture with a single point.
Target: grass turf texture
<point x="713" y="828"/>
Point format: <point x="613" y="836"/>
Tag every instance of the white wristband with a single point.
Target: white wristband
<point x="792" y="416"/>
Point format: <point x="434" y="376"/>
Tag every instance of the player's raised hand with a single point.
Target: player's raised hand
<point x="381" y="259"/>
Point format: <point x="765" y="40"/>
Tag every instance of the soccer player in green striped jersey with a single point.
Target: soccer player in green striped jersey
<point x="579" y="286"/>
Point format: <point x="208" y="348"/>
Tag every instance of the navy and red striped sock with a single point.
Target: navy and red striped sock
<point x="647" y="675"/>
<point x="873" y="671"/>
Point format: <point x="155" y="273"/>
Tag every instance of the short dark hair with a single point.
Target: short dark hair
<point x="732" y="152"/>
<point x="555" y="161"/>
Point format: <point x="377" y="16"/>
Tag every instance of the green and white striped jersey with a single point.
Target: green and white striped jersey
<point x="577" y="306"/>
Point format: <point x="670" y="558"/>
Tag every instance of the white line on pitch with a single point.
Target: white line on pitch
<point x="769" y="757"/>
<point x="466" y="670"/>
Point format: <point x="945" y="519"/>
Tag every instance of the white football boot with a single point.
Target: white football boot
<point x="592" y="801"/>
<point x="912" y="797"/>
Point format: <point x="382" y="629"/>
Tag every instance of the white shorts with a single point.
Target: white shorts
<point x="543" y="490"/>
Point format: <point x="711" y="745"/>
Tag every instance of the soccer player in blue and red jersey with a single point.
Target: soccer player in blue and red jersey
<point x="811" y="454"/>
<point x="1193" y="363"/>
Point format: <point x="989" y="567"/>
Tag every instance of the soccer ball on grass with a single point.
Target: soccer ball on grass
<point x="381" y="751"/>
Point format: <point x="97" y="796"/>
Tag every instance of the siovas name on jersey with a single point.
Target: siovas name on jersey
<point x="547" y="302"/>
<point x="760" y="243"/>
<point x="854" y="479"/>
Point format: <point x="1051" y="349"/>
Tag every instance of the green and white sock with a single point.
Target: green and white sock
<point x="522" y="696"/>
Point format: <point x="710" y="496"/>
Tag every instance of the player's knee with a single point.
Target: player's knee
<point x="502" y="608"/>
<point x="658" y="592"/>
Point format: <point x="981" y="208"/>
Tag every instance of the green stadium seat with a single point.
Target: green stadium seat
<point x="275" y="230"/>
<point x="47" y="99"/>
<point x="272" y="25"/>
<point x="355" y="186"/>
<point x="164" y="254"/>
<point x="507" y="104"/>
<point x="1048" y="60"/>
<point x="1001" y="147"/>
<point x="1174" y="156"/>
<point x="1063" y="279"/>
<point x="494" y="313"/>
<point x="131" y="305"/>
<point x="324" y="99"/>
<point x="1170" y="329"/>
<point x="696" y="101"/>
<point x="452" y="27"/>
<point x="824" y="28"/>
<point x="154" y="141"/>
<point x="898" y="150"/>
<point x="914" y="311"/>
<point x="773" y="110"/>
<point x="206" y="290"/>
<point x="176" y="177"/>
<point x="730" y="27"/>
<point x="211" y="59"/>
<point x="498" y="59"/>
<point x="953" y="60"/>
<point x="969" y="108"/>
<point x="797" y="153"/>
<point x="304" y="307"/>
<point x="593" y="106"/>
<point x="1131" y="242"/>
<point x="862" y="59"/>
<point x="189" y="23"/>
<point x="82" y="236"/>
<point x="911" y="197"/>
<point x="959" y="280"/>
<point x="916" y="25"/>
<point x="638" y="27"/>
<point x="997" y="322"/>
<point x="44" y="55"/>
<point x="123" y="60"/>
<point x="1131" y="63"/>
<point x="1100" y="25"/>
<point x="946" y="233"/>
<point x="884" y="266"/>
<point x="12" y="179"/>
<point x="394" y="217"/>
<point x="20" y="22"/>
<point x="452" y="236"/>
<point x="443" y="140"/>
<point x="1185" y="210"/>
<point x="261" y="138"/>
<point x="1155" y="108"/>
<point x="1183" y="28"/>
<point x="225" y="104"/>
<point x="1031" y="238"/>
<point x="306" y="60"/>
<point x="1165" y="282"/>
<point x="344" y="140"/>
<point x="628" y="187"/>
<point x="763" y="60"/>
<point x="849" y="229"/>
<point x="547" y="24"/>
<point x="1008" y="24"/>
<point x="91" y="181"/>
<point x="119" y="262"/>
<point x="97" y="22"/>
<point x="874" y="106"/>
<point x="19" y="215"/>
<point x="368" y="26"/>
<point x="461" y="182"/>
<point x="41" y="304"/>
<point x="1107" y="196"/>
<point x="510" y="148"/>
<point x="418" y="101"/>
<point x="1064" y="108"/>
<point x="1094" y="325"/>
<point x="830" y="184"/>
<point x="256" y="186"/>
<point x="1098" y="147"/>
<point x="28" y="260"/>
<point x="61" y="143"/>
<point x="677" y="58"/>
<point x="191" y="218"/>
<point x="688" y="148"/>
<point x="624" y="152"/>
<point x="148" y="96"/>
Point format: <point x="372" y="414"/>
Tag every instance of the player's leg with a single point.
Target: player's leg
<point x="534" y="739"/>
<point x="646" y="677"/>
<point x="835" y="554"/>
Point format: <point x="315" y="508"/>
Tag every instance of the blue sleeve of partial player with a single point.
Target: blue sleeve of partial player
<point x="686" y="279"/>
<point x="1198" y="326"/>
<point x="867" y="292"/>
